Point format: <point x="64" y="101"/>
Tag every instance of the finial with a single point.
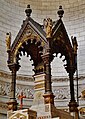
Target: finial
<point x="60" y="12"/>
<point x="28" y="11"/>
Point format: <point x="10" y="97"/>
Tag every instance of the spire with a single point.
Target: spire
<point x="60" y="12"/>
<point x="28" y="11"/>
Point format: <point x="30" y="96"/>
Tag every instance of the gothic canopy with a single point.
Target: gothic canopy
<point x="36" y="40"/>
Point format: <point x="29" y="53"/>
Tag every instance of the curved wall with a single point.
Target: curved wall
<point x="12" y="15"/>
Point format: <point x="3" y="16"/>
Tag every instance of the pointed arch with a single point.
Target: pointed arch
<point x="61" y="44"/>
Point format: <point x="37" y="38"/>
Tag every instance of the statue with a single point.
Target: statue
<point x="8" y="40"/>
<point x="75" y="45"/>
<point x="48" y="27"/>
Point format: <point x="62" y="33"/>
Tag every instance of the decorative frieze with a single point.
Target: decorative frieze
<point x="3" y="105"/>
<point x="27" y="90"/>
<point x="59" y="91"/>
<point x="4" y="88"/>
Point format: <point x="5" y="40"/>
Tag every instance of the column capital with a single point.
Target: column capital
<point x="48" y="98"/>
<point x="47" y="58"/>
<point x="70" y="69"/>
<point x="12" y="105"/>
<point x="14" y="66"/>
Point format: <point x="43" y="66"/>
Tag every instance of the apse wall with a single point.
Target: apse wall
<point x="11" y="18"/>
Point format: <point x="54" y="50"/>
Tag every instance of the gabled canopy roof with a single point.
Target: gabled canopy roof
<point x="61" y="43"/>
<point x="32" y="39"/>
<point x="36" y="27"/>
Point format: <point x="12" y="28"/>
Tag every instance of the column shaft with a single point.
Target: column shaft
<point x="71" y="86"/>
<point x="12" y="104"/>
<point x="13" y="84"/>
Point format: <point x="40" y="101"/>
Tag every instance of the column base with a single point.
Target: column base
<point x="73" y="106"/>
<point x="12" y="105"/>
<point x="48" y="98"/>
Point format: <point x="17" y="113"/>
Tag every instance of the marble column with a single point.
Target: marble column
<point x="12" y="104"/>
<point x="48" y="96"/>
<point x="72" y="104"/>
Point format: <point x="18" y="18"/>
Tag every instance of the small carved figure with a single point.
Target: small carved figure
<point x="75" y="44"/>
<point x="48" y="27"/>
<point x="8" y="40"/>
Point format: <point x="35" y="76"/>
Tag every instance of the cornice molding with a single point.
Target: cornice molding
<point x="56" y="79"/>
<point x="7" y="76"/>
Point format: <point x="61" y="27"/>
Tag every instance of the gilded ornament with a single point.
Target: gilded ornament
<point x="8" y="40"/>
<point x="48" y="27"/>
<point x="75" y="44"/>
<point x="83" y="94"/>
<point x="37" y="86"/>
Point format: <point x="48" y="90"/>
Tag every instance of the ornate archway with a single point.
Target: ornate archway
<point x="41" y="42"/>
